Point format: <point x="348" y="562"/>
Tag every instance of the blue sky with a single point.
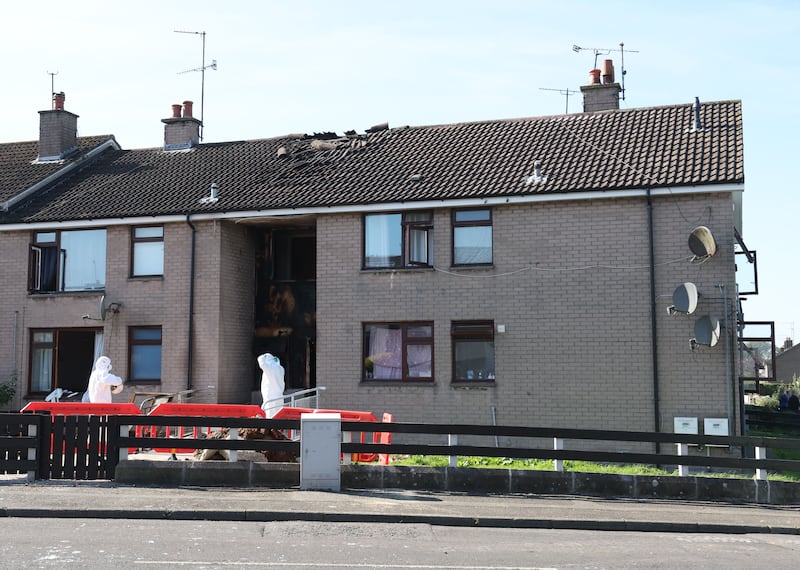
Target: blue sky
<point x="313" y="66"/>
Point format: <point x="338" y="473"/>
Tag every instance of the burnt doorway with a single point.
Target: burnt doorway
<point x="286" y="302"/>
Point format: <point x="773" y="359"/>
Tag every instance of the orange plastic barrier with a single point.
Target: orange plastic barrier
<point x="83" y="409"/>
<point x="288" y="413"/>
<point x="204" y="410"/>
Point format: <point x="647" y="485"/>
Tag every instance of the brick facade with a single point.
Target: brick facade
<point x="571" y="284"/>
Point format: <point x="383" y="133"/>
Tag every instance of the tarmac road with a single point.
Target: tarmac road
<point x="107" y="500"/>
<point x="160" y="544"/>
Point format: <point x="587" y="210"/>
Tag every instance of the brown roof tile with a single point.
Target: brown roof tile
<point x="613" y="150"/>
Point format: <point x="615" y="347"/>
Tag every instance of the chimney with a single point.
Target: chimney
<point x="181" y="132"/>
<point x="599" y="96"/>
<point x="58" y="131"/>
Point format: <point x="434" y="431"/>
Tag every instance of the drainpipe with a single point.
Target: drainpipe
<point x="190" y="345"/>
<point x="653" y="331"/>
<point x="728" y="376"/>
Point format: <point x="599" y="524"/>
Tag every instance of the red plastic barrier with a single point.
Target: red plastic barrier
<point x="289" y="413"/>
<point x="204" y="410"/>
<point x="83" y="409"/>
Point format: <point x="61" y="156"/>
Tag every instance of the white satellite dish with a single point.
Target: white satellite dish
<point x="706" y="331"/>
<point x="684" y="299"/>
<point x="702" y="243"/>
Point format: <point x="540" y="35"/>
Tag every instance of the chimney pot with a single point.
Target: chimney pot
<point x="176" y="111"/>
<point x="187" y="108"/>
<point x="608" y="71"/>
<point x="58" y="101"/>
<point x="594" y="77"/>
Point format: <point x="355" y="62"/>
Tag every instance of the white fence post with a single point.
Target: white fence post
<point x="233" y="454"/>
<point x="452" y="439"/>
<point x="683" y="449"/>
<point x="124" y="431"/>
<point x="761" y="453"/>
<point x="32" y="431"/>
<point x="558" y="445"/>
<point x="347" y="437"/>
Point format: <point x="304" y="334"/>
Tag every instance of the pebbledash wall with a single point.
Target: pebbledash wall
<point x="571" y="284"/>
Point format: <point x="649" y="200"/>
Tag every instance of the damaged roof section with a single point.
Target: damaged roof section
<point x="586" y="152"/>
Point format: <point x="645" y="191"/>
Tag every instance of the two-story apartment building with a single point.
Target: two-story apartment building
<point x="513" y="271"/>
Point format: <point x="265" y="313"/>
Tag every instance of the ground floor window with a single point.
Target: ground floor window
<point x="62" y="358"/>
<point x="145" y="354"/>
<point x="400" y="351"/>
<point x="473" y="351"/>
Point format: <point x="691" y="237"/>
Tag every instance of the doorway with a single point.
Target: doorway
<point x="62" y="358"/>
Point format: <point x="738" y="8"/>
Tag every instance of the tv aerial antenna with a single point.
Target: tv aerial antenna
<point x="202" y="70"/>
<point x="608" y="51"/>
<point x="565" y="92"/>
<point x="52" y="75"/>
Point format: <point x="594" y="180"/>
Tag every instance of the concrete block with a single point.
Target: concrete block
<point x="472" y="480"/>
<point x="663" y="487"/>
<point x="277" y="475"/>
<point x="217" y="474"/>
<point x="541" y="482"/>
<point x="146" y="472"/>
<point x="414" y="478"/>
<point x="604" y="484"/>
<point x="731" y="490"/>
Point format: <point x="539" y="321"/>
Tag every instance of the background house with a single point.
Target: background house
<point x="512" y="271"/>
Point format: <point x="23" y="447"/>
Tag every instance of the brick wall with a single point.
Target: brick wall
<point x="222" y="361"/>
<point x="571" y="283"/>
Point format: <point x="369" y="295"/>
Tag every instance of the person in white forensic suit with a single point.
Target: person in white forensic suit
<point x="272" y="384"/>
<point x="102" y="384"/>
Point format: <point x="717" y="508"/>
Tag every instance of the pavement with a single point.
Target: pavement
<point x="110" y="500"/>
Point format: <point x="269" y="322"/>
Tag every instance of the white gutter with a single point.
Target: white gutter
<point x="110" y="143"/>
<point x="382" y="207"/>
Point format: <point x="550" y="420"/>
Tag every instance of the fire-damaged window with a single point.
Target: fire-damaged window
<point x="472" y="237"/>
<point x="398" y="240"/>
<point x="73" y="260"/>
<point x="473" y="351"/>
<point x="147" y="251"/>
<point x="398" y="351"/>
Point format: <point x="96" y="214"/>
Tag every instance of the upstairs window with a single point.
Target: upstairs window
<point x="473" y="351"/>
<point x="472" y="237"/>
<point x="72" y="260"/>
<point x="147" y="251"/>
<point x="398" y="240"/>
<point x="398" y="351"/>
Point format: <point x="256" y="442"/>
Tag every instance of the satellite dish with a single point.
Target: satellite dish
<point x="706" y="331"/>
<point x="702" y="243"/>
<point x="684" y="299"/>
<point x="101" y="309"/>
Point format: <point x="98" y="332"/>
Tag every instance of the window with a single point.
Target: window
<point x="147" y="245"/>
<point x="398" y="351"/>
<point x="67" y="261"/>
<point x="472" y="237"/>
<point x="398" y="240"/>
<point x="145" y="354"/>
<point x="473" y="351"/>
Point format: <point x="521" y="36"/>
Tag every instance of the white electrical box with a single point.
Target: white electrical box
<point x="715" y="426"/>
<point x="685" y="425"/>
<point x="320" y="450"/>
